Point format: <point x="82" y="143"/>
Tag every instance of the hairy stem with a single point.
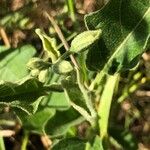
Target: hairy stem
<point x="83" y="112"/>
<point x="99" y="77"/>
<point x="85" y="93"/>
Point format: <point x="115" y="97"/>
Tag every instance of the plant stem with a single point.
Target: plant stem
<point x="115" y="143"/>
<point x="99" y="77"/>
<point x="86" y="96"/>
<point x="2" y="145"/>
<point x="105" y="104"/>
<point x="70" y="4"/>
<point x="25" y="141"/>
<point x="68" y="39"/>
<point x="83" y="112"/>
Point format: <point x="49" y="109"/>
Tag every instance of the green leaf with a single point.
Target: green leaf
<point x="56" y="100"/>
<point x="70" y="144"/>
<point x="95" y="145"/>
<point x="105" y="104"/>
<point x="62" y="67"/>
<point x="126" y="32"/>
<point x="22" y="108"/>
<point x="13" y="62"/>
<point x="49" y="45"/>
<point x="28" y="89"/>
<point x="85" y="40"/>
<point x="36" y="122"/>
<point x="25" y="93"/>
<point x="62" y="122"/>
<point x="22" y="95"/>
<point x="73" y="92"/>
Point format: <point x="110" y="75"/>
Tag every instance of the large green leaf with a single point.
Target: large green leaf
<point x="37" y="122"/>
<point x="125" y="26"/>
<point x="26" y="90"/>
<point x="62" y="122"/>
<point x="13" y="62"/>
<point x="25" y="93"/>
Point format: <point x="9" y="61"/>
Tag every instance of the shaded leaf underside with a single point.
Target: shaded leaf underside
<point x="28" y="89"/>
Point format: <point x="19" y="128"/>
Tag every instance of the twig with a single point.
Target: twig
<point x="64" y="42"/>
<point x="7" y="133"/>
<point x="4" y="37"/>
<point x="146" y="57"/>
<point x="46" y="141"/>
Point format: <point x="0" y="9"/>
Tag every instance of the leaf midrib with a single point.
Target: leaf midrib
<point x="127" y="37"/>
